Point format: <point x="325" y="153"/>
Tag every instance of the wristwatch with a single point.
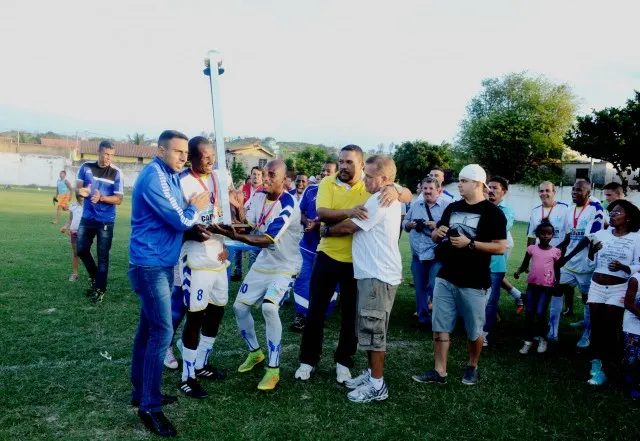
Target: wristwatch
<point x="324" y="231"/>
<point x="472" y="245"/>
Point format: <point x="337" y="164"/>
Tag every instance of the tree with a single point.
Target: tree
<point x="290" y="163"/>
<point x="392" y="148"/>
<point x="515" y="127"/>
<point x="415" y="159"/>
<point x="310" y="159"/>
<point x="611" y="135"/>
<point x="137" y="138"/>
<point x="238" y="172"/>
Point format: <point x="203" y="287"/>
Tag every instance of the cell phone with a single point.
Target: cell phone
<point x="453" y="232"/>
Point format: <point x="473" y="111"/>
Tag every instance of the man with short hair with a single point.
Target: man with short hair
<point x="438" y="174"/>
<point x="274" y="216"/>
<point x="550" y="209"/>
<point x="301" y="183"/>
<point x="471" y="231"/>
<point x="63" y="195"/>
<point x="584" y="219"/>
<point x="102" y="186"/>
<point x="420" y="222"/>
<point x="202" y="267"/>
<point x="613" y="191"/>
<point x="157" y="223"/>
<point x="308" y="249"/>
<point x="340" y="197"/>
<point x="377" y="267"/>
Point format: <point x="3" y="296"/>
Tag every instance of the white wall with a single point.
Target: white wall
<point x="40" y="170"/>
<point x="523" y="198"/>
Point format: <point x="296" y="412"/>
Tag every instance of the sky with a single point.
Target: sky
<point x="332" y="71"/>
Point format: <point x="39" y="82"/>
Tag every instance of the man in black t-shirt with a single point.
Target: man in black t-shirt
<point x="471" y="230"/>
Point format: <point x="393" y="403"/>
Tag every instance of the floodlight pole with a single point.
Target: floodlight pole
<point x="213" y="70"/>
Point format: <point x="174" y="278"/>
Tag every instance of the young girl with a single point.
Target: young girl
<point x="75" y="214"/>
<point x="541" y="280"/>
<point x="631" y="333"/>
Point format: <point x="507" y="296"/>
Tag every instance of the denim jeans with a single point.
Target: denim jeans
<point x="492" y="303"/>
<point x="87" y="230"/>
<point x="424" y="278"/>
<point x="178" y="308"/>
<point x="536" y="305"/>
<point x="153" y="286"/>
<point x="236" y="261"/>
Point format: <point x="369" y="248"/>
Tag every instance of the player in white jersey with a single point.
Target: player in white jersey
<point x="203" y="263"/>
<point x="584" y="219"/>
<point x="554" y="211"/>
<point x="274" y="216"/>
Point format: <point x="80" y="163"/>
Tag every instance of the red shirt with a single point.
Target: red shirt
<point x="246" y="190"/>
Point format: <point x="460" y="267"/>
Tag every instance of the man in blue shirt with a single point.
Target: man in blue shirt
<point x="308" y="247"/>
<point x="102" y="185"/>
<point x="420" y="223"/>
<point x="157" y="223"/>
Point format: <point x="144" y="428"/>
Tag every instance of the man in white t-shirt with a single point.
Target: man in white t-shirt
<point x="202" y="269"/>
<point x="551" y="209"/>
<point x="584" y="218"/>
<point x="377" y="267"/>
<point x="274" y="216"/>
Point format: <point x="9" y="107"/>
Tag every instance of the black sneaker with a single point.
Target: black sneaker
<point x="166" y="400"/>
<point x="91" y="287"/>
<point x="298" y="323"/>
<point x="470" y="376"/>
<point x="192" y="388"/>
<point x="98" y="296"/>
<point x="208" y="372"/>
<point x="431" y="376"/>
<point x="157" y="423"/>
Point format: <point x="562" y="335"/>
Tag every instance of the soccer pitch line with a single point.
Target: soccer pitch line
<point x="100" y="359"/>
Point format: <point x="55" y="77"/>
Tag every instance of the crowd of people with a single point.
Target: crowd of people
<point x="314" y="238"/>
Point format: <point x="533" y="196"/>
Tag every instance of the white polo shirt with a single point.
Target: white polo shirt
<point x="376" y="254"/>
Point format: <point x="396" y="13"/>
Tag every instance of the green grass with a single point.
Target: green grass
<point x="54" y="384"/>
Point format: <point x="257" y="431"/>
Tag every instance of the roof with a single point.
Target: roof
<point x="91" y="147"/>
<point x="248" y="149"/>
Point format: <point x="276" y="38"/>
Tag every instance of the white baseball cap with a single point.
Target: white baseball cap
<point x="474" y="172"/>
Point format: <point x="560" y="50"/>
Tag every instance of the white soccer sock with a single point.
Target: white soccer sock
<point x="188" y="363"/>
<point x="377" y="382"/>
<point x="515" y="293"/>
<point x="244" y="319"/>
<point x="554" y="315"/>
<point x="587" y="321"/>
<point x="204" y="349"/>
<point x="271" y="315"/>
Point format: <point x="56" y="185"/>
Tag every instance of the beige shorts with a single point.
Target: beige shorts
<point x="375" y="301"/>
<point x="608" y="294"/>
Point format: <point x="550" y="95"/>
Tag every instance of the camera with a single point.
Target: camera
<point x="453" y="232"/>
<point x="420" y="225"/>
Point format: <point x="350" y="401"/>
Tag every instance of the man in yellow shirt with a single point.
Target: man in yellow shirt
<point x="340" y="197"/>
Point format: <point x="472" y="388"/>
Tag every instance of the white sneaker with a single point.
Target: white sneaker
<point x="542" y="346"/>
<point x="304" y="372"/>
<point x="525" y="348"/>
<point x="485" y="340"/>
<point x="584" y="341"/>
<point x="170" y="360"/>
<point x="342" y="373"/>
<point x="360" y="380"/>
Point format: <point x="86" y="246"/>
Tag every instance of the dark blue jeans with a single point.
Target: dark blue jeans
<point x="87" y="230"/>
<point x="492" y="303"/>
<point x="536" y="305"/>
<point x="153" y="285"/>
<point x="178" y="308"/>
<point x="424" y="278"/>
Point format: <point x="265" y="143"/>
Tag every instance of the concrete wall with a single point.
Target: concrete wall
<point x="31" y="169"/>
<point x="523" y="198"/>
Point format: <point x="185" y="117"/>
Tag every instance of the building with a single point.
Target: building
<point x="126" y="153"/>
<point x="250" y="155"/>
<point x="600" y="172"/>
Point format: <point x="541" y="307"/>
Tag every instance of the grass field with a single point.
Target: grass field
<point x="54" y="384"/>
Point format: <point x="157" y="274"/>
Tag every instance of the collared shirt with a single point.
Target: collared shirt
<point x="421" y="243"/>
<point x="108" y="180"/>
<point x="311" y="239"/>
<point x="499" y="262"/>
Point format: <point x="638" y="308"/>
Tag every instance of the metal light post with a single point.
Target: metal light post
<point x="214" y="58"/>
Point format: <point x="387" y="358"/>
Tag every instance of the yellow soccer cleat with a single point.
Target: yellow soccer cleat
<point x="270" y="379"/>
<point x="252" y="360"/>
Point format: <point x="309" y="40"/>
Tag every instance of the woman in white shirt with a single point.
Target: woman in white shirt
<point x="616" y="252"/>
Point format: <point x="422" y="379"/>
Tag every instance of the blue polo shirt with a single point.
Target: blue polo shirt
<point x="311" y="239"/>
<point x="108" y="180"/>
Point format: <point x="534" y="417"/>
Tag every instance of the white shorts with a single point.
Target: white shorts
<point x="201" y="287"/>
<point x="582" y="281"/>
<point x="609" y="295"/>
<point x="258" y="286"/>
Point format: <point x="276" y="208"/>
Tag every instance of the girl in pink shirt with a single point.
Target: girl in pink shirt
<point x="541" y="280"/>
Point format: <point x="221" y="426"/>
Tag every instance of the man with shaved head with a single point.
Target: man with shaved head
<point x="274" y="217"/>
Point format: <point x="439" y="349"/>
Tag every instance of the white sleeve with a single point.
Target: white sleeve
<point x="376" y="214"/>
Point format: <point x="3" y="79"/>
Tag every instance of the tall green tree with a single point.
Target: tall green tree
<point x="310" y="159"/>
<point x="414" y="159"/>
<point x="137" y="138"/>
<point x="238" y="172"/>
<point x="515" y="127"/>
<point x="611" y="134"/>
